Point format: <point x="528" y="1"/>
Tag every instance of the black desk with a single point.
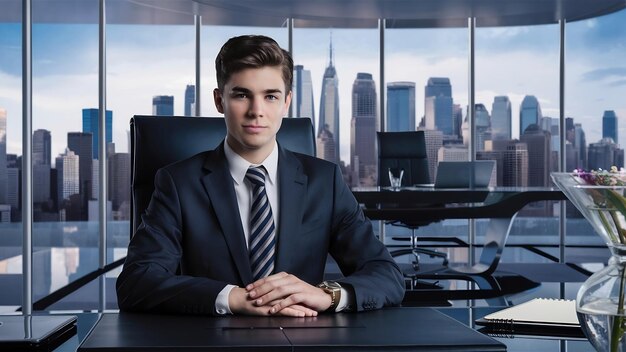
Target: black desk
<point x="86" y="322"/>
<point x="407" y="329"/>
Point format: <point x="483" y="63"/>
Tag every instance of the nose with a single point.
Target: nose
<point x="256" y="108"/>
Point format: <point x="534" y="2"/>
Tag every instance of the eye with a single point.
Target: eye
<point x="271" y="97"/>
<point x="240" y="96"/>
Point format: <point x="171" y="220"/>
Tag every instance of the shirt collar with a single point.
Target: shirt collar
<point x="238" y="166"/>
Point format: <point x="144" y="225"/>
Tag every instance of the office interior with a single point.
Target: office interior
<point x="367" y="66"/>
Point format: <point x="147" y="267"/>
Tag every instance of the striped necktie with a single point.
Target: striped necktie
<point x="262" y="243"/>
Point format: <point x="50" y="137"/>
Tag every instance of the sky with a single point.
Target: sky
<point x="144" y="61"/>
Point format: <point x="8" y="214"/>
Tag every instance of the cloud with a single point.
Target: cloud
<point x="604" y="73"/>
<point x="618" y="83"/>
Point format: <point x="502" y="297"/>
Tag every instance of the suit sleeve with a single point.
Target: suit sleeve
<point x="367" y="265"/>
<point x="149" y="280"/>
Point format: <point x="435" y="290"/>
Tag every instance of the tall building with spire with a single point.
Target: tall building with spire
<point x="329" y="104"/>
<point x="302" y="102"/>
<point x="363" y="130"/>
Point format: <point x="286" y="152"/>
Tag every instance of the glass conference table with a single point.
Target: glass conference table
<point x="428" y="204"/>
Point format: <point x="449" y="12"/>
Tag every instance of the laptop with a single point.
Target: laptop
<point x="20" y="332"/>
<point x="458" y="174"/>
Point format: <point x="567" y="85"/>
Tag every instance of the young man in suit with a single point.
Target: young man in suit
<point x="246" y="228"/>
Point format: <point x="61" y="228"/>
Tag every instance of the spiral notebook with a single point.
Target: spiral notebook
<point x="540" y="316"/>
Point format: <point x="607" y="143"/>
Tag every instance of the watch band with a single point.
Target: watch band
<point x="334" y="290"/>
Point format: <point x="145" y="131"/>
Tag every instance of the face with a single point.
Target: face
<point x="253" y="102"/>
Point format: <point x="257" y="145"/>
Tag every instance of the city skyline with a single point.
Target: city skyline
<point x="499" y="50"/>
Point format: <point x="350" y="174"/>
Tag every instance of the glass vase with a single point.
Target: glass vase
<point x="600" y="300"/>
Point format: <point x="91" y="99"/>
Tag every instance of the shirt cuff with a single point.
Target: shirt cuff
<point x="343" y="300"/>
<point x="221" y="302"/>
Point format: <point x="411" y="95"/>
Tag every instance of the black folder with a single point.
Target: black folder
<point x="418" y="329"/>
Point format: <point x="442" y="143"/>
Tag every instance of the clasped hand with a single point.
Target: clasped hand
<point x="279" y="294"/>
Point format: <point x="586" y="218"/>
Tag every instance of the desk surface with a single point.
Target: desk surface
<point x="382" y="203"/>
<point x="410" y="329"/>
<point x="86" y="322"/>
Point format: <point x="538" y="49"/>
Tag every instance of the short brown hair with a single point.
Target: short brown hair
<point x="252" y="51"/>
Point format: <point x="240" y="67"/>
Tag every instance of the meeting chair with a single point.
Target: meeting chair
<point x="406" y="151"/>
<point x="157" y="141"/>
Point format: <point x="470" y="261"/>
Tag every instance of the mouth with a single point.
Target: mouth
<point x="253" y="128"/>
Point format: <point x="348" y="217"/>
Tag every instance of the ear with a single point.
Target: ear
<point x="287" y="103"/>
<point x="219" y="100"/>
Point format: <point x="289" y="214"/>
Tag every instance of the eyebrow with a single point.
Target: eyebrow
<point x="248" y="91"/>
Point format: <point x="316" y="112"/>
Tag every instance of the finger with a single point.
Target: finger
<point x="294" y="299"/>
<point x="280" y="291"/>
<point x="260" y="282"/>
<point x="272" y="285"/>
<point x="308" y="312"/>
<point x="291" y="310"/>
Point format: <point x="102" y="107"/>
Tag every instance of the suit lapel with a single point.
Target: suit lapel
<point x="292" y="183"/>
<point x="218" y="184"/>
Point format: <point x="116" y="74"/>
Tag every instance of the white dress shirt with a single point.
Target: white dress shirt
<point x="238" y="167"/>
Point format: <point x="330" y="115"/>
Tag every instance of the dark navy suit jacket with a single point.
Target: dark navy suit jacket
<point x="191" y="242"/>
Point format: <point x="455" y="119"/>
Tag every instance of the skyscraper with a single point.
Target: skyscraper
<point x="190" y="100"/>
<point x="80" y="143"/>
<point x="483" y="126"/>
<point x="529" y="113"/>
<point x="325" y="144"/>
<point x="438" y="105"/>
<point x="609" y="125"/>
<point x="501" y="118"/>
<point x="302" y="102"/>
<point x="604" y="154"/>
<point x="363" y="128"/>
<point x="163" y="105"/>
<point x="516" y="163"/>
<point x="42" y="147"/>
<point x="41" y="165"/>
<point x="539" y="154"/>
<point x="580" y="142"/>
<point x="67" y="166"/>
<point x="400" y="106"/>
<point x="90" y="124"/>
<point x="119" y="180"/>
<point x="3" y="156"/>
<point x="329" y="104"/>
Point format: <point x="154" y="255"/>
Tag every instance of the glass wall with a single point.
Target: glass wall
<point x="517" y="122"/>
<point x="426" y="89"/>
<point x="10" y="158"/>
<point x="594" y="105"/>
<point x="344" y="69"/>
<point x="151" y="71"/>
<point x="65" y="81"/>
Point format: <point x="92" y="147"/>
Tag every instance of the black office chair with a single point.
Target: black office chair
<point x="406" y="151"/>
<point x="159" y="141"/>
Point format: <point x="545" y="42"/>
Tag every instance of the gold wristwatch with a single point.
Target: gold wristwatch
<point x="334" y="290"/>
